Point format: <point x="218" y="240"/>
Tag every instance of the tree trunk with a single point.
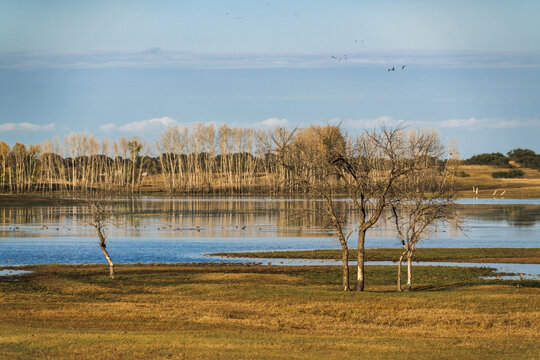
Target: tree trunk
<point x="361" y="253"/>
<point x="399" y="272"/>
<point x="345" y="265"/>
<point x="104" y="249"/>
<point x="409" y="271"/>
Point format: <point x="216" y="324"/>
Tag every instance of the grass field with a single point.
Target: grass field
<point x="480" y="177"/>
<point x="480" y="255"/>
<point x="261" y="312"/>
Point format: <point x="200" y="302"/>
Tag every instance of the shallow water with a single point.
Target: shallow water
<point x="13" y="272"/>
<point x="183" y="230"/>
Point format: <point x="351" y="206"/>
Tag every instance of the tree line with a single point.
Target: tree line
<point x="524" y="157"/>
<point x="197" y="159"/>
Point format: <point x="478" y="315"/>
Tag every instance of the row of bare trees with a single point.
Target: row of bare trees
<point x="388" y="168"/>
<point x="196" y="159"/>
<point x="201" y="159"/>
<point x="80" y="163"/>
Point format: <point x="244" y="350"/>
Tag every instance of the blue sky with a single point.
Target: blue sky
<point x="119" y="68"/>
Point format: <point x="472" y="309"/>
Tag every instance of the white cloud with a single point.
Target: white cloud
<point x="142" y="125"/>
<point x="474" y="123"/>
<point x="471" y="123"/>
<point x="273" y="122"/>
<point x="369" y="123"/>
<point x="160" y="58"/>
<point x="459" y="123"/>
<point x="25" y="126"/>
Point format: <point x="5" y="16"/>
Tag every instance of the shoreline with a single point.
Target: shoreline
<point x="463" y="255"/>
<point x="73" y="199"/>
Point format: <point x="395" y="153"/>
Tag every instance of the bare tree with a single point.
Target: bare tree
<point x="73" y="144"/>
<point x="412" y="218"/>
<point x="369" y="169"/>
<point x="423" y="198"/>
<point x="134" y="148"/>
<point x="4" y="157"/>
<point x="309" y="157"/>
<point x="98" y="218"/>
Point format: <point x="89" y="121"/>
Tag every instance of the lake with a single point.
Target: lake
<point x="162" y="230"/>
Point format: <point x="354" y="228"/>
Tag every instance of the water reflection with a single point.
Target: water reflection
<point x="514" y="215"/>
<point x="175" y="230"/>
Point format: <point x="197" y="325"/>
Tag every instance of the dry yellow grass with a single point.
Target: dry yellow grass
<point x="480" y="177"/>
<point x="235" y="312"/>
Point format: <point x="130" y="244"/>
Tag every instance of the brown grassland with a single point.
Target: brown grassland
<point x="219" y="311"/>
<point x="480" y="177"/>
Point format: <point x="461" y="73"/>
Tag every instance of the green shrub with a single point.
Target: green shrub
<point x="520" y="154"/>
<point x="495" y="159"/>
<point x="511" y="174"/>
<point x="525" y="157"/>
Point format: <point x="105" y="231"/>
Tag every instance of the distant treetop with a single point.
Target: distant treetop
<point x="524" y="157"/>
<point x="495" y="159"/>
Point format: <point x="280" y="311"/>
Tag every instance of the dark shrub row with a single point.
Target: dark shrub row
<point x="514" y="173"/>
<point x="524" y="157"/>
<point x="495" y="159"/>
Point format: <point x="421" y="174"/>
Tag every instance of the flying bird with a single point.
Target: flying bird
<point x="402" y="67"/>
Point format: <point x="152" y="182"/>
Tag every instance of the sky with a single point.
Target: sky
<point x="132" y="68"/>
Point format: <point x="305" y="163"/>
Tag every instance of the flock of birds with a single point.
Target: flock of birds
<point x="333" y="57"/>
<point x="344" y="57"/>
<point x="198" y="228"/>
<point x="14" y="228"/>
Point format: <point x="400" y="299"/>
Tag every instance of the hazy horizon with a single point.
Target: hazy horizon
<point x="116" y="68"/>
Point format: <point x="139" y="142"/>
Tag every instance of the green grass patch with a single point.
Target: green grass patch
<point x="487" y="255"/>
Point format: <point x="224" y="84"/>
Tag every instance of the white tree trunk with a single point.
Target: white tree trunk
<point x="409" y="271"/>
